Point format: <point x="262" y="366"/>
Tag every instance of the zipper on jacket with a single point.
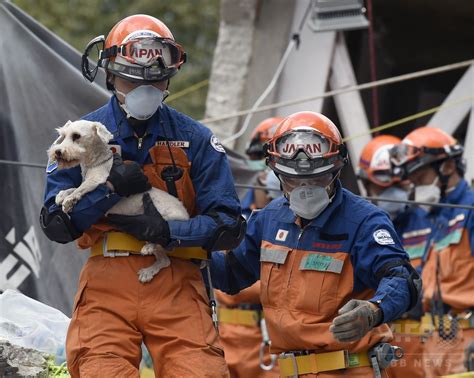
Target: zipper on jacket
<point x="140" y="140"/>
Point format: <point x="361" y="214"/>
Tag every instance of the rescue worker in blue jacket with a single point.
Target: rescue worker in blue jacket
<point x="332" y="268"/>
<point x="412" y="226"/>
<point x="113" y="312"/>
<point x="432" y="161"/>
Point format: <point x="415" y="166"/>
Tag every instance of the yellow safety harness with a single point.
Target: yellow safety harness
<point x="116" y="244"/>
<point x="239" y="316"/>
<point x="292" y="364"/>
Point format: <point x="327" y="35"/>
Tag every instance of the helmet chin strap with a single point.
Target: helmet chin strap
<point x="443" y="179"/>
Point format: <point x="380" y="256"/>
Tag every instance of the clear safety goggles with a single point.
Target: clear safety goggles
<point x="148" y="58"/>
<point x="402" y="153"/>
<point x="147" y="51"/>
<point x="305" y="153"/>
<point x="311" y="144"/>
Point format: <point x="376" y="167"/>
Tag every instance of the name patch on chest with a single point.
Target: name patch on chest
<point x="321" y="263"/>
<point x="174" y="143"/>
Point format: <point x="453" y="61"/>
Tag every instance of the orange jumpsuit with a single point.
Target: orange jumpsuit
<point x="414" y="229"/>
<point x="242" y="341"/>
<point x="448" y="284"/>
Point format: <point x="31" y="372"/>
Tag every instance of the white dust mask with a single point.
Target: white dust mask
<point x="142" y="102"/>
<point x="309" y="201"/>
<point x="428" y="193"/>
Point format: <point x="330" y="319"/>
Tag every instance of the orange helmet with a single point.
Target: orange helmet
<point x="306" y="144"/>
<point x="424" y="146"/>
<point x="139" y="48"/>
<point x="262" y="133"/>
<point x="374" y="162"/>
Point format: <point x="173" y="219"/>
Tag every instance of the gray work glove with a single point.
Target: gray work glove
<point x="355" y="319"/>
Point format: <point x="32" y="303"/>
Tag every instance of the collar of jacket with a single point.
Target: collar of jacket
<point x="289" y="217"/>
<point x="456" y="196"/>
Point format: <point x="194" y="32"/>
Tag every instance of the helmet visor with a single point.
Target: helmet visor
<point x="293" y="182"/>
<point x="382" y="177"/>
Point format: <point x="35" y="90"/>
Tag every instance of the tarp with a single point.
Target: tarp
<point x="41" y="87"/>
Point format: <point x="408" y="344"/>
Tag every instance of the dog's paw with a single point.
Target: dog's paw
<point x="162" y="261"/>
<point x="69" y="202"/>
<point x="147" y="274"/>
<point x="62" y="195"/>
<point x="148" y="249"/>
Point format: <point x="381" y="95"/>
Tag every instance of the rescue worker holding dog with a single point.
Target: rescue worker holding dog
<point x="113" y="312"/>
<point x="432" y="160"/>
<point x="331" y="266"/>
<point x="411" y="223"/>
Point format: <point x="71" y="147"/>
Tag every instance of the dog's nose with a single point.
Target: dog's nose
<point x="57" y="153"/>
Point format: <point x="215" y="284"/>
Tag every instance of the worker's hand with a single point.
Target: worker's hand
<point x="355" y="319"/>
<point x="127" y="178"/>
<point x="149" y="227"/>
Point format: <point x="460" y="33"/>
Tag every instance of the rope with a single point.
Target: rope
<point x="188" y="90"/>
<point x="382" y="127"/>
<point x="408" y="118"/>
<point x="294" y="41"/>
<point x="21" y="164"/>
<point x="336" y="92"/>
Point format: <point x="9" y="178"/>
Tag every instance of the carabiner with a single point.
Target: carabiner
<point x="265" y="343"/>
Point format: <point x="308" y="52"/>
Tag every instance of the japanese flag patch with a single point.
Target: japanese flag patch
<point x="383" y="237"/>
<point x="281" y="235"/>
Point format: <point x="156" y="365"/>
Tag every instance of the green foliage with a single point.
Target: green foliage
<point x="56" y="371"/>
<point x="194" y="25"/>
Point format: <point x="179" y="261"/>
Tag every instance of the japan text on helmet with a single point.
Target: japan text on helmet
<point x="306" y="144"/>
<point x="374" y="162"/>
<point x="262" y="133"/>
<point x="139" y="48"/>
<point x="422" y="147"/>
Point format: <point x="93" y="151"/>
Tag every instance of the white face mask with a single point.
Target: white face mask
<point x="309" y="201"/>
<point x="142" y="102"/>
<point x="428" y="193"/>
<point x="393" y="208"/>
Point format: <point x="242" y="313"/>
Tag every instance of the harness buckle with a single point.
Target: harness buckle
<point x="293" y="360"/>
<point x="115" y="253"/>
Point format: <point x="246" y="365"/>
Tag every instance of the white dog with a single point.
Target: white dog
<point x="85" y="143"/>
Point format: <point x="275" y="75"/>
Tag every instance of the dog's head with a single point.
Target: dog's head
<point x="76" y="141"/>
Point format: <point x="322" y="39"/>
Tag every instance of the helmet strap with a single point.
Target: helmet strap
<point x="443" y="179"/>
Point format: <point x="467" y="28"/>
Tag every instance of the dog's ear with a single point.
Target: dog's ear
<point x="102" y="132"/>
<point x="58" y="129"/>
